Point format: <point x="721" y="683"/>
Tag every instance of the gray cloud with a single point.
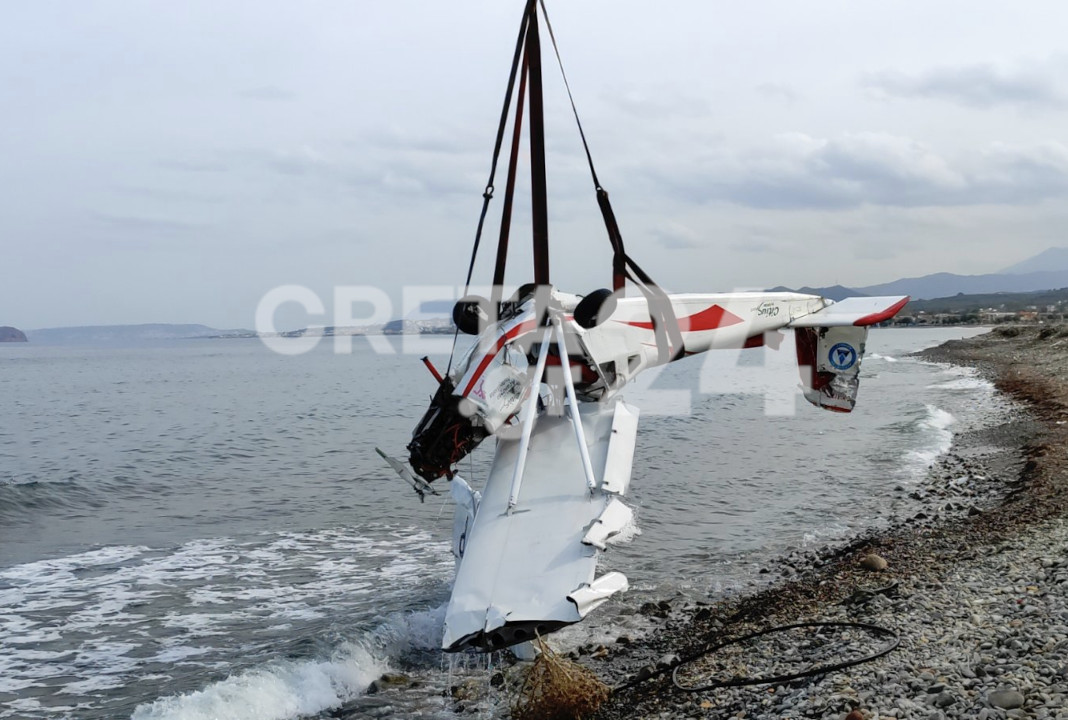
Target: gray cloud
<point x="253" y="145"/>
<point x="675" y="236"/>
<point x="800" y="172"/>
<point x="778" y="91"/>
<point x="979" y="86"/>
<point x="140" y="227"/>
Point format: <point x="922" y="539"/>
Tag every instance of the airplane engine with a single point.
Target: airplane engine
<point x="829" y="361"/>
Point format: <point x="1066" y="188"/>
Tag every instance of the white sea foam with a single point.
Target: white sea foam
<point x="938" y="438"/>
<point x="824" y="535"/>
<point x="275" y="692"/>
<point x="877" y="356"/>
<point x="288" y="689"/>
<point x="184" y="605"/>
<point x="964" y="383"/>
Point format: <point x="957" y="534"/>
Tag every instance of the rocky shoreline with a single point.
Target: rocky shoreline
<point x="975" y="585"/>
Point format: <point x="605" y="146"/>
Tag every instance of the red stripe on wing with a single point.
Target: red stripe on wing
<point x="882" y="315"/>
<point x="708" y="319"/>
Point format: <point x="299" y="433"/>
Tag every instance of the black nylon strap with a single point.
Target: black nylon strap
<point x="539" y="198"/>
<point x="665" y="324"/>
<point x="509" y="193"/>
<point x="487" y="195"/>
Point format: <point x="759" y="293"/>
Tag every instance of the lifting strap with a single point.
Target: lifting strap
<point x="665" y="324"/>
<point x="487" y="194"/>
<point x="539" y="202"/>
<point x="509" y="193"/>
<point x="526" y="64"/>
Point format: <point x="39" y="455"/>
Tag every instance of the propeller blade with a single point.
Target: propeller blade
<point x="418" y="484"/>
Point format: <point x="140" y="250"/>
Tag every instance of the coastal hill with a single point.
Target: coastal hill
<point x="832" y="292"/>
<point x="941" y="285"/>
<point x="1055" y="258"/>
<point x="10" y="334"/>
<point x="1046" y="271"/>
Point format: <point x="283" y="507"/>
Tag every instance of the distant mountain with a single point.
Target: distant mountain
<point x="942" y="285"/>
<point x="832" y="292"/>
<point x="125" y="333"/>
<point x="1053" y="259"/>
<point x="10" y="334"/>
<point x="1007" y="302"/>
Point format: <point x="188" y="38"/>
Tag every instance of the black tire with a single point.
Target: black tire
<point x="471" y="314"/>
<point x="595" y="308"/>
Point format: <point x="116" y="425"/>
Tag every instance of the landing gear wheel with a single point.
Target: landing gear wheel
<point x="595" y="308"/>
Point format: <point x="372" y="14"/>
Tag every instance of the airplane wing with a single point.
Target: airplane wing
<point x="855" y="311"/>
<point x="529" y="569"/>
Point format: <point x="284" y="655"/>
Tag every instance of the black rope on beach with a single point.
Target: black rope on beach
<point x="892" y="645"/>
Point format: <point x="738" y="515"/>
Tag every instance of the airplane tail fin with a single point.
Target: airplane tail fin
<point x="829" y="361"/>
<point x="830" y="346"/>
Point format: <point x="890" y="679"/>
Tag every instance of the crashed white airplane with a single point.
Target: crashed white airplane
<point x="545" y="379"/>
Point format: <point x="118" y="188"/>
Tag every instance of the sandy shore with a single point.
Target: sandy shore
<point x="976" y="584"/>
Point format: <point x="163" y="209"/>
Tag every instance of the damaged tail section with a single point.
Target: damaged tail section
<point x="830" y="348"/>
<point x="829" y="361"/>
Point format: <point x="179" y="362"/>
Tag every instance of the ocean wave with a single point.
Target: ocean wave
<point x="963" y="383"/>
<point x="114" y="616"/>
<point x="963" y="378"/>
<point x="278" y="691"/>
<point x="286" y="689"/>
<point x="934" y="429"/>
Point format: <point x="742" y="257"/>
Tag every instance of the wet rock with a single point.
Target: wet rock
<point x="873" y="562"/>
<point x="657" y="610"/>
<point x="667" y="660"/>
<point x="644" y="673"/>
<point x="389" y="680"/>
<point x="470" y="689"/>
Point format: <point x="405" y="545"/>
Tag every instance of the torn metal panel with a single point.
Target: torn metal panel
<point x="608" y="524"/>
<point x="589" y="597"/>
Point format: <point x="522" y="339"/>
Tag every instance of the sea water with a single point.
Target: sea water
<point x="201" y="529"/>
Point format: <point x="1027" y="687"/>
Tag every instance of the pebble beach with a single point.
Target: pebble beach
<point x="975" y="586"/>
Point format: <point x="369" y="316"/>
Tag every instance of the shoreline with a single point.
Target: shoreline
<point x="977" y="591"/>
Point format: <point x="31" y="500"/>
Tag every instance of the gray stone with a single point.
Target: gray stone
<point x="873" y="562"/>
<point x="944" y="699"/>
<point x="1005" y="699"/>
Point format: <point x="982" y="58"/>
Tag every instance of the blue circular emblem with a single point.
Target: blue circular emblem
<point x="842" y="356"/>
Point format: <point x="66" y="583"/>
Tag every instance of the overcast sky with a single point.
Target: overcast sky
<point x="172" y="162"/>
